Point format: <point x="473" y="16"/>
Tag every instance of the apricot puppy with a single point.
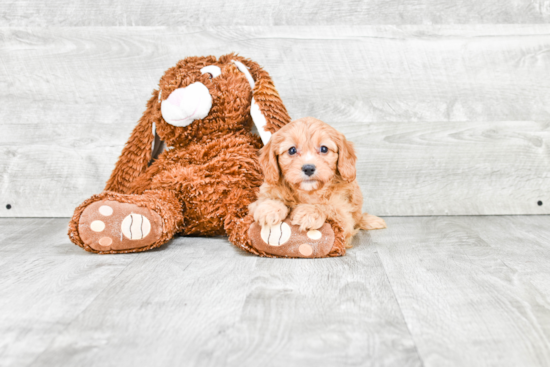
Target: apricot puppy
<point x="309" y="170"/>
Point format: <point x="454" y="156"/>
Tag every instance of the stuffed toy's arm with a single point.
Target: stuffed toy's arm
<point x="136" y="154"/>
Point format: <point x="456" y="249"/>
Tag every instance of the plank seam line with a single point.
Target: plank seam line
<point x="26" y="228"/>
<point x="400" y="309"/>
<point x="383" y="216"/>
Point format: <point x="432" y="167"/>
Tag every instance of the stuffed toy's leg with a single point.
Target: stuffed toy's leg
<point x="119" y="223"/>
<point x="285" y="239"/>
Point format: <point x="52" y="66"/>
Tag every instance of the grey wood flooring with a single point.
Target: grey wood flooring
<point x="431" y="291"/>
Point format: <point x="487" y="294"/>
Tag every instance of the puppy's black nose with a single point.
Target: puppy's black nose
<point x="308" y="169"/>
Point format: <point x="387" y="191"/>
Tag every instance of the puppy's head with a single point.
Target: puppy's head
<point x="308" y="154"/>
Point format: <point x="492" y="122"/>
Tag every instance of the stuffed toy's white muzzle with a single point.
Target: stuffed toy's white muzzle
<point x="185" y="105"/>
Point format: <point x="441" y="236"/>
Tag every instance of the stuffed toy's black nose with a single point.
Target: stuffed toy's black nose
<point x="308" y="169"/>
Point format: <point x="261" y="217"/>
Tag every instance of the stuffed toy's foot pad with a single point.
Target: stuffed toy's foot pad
<point x="286" y="240"/>
<point x="108" y="225"/>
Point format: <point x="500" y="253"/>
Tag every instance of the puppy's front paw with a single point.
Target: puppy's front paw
<point x="269" y="212"/>
<point x="307" y="217"/>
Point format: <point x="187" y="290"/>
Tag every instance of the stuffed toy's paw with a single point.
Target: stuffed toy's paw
<point x="107" y="225"/>
<point x="286" y="240"/>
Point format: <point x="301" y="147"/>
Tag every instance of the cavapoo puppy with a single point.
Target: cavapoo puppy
<point x="309" y="170"/>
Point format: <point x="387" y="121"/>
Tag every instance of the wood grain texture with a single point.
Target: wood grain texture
<point x="453" y="168"/>
<point x="199" y="301"/>
<point x="269" y="12"/>
<point x="44" y="285"/>
<point x="447" y="119"/>
<point x="430" y="291"/>
<point x="471" y="286"/>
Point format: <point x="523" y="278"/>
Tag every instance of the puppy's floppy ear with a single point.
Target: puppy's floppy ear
<point x="346" y="158"/>
<point x="267" y="110"/>
<point x="269" y="164"/>
<point x="138" y="151"/>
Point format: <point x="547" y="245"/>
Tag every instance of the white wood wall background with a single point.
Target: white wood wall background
<point x="447" y="118"/>
<point x="269" y="12"/>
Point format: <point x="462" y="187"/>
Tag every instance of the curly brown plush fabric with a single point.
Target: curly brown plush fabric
<point x="204" y="181"/>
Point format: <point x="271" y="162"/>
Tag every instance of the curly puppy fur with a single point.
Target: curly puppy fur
<point x="309" y="170"/>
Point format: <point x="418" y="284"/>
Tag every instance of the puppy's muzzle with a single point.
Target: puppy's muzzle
<point x="308" y="169"/>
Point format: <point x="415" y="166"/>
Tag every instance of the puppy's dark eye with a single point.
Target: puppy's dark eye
<point x="209" y="75"/>
<point x="324" y="149"/>
<point x="292" y="151"/>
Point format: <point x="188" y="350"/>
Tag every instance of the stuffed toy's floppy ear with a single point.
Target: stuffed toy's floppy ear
<point x="268" y="111"/>
<point x="137" y="153"/>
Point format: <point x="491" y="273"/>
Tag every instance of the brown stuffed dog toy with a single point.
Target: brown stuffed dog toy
<point x="191" y="165"/>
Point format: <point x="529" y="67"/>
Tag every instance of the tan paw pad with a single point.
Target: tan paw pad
<point x="314" y="234"/>
<point x="305" y="249"/>
<point x="135" y="227"/>
<point x="105" y="210"/>
<point x="276" y="235"/>
<point x="97" y="226"/>
<point x="105" y="241"/>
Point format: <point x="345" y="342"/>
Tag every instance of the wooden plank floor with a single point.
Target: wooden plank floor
<point x="432" y="291"/>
